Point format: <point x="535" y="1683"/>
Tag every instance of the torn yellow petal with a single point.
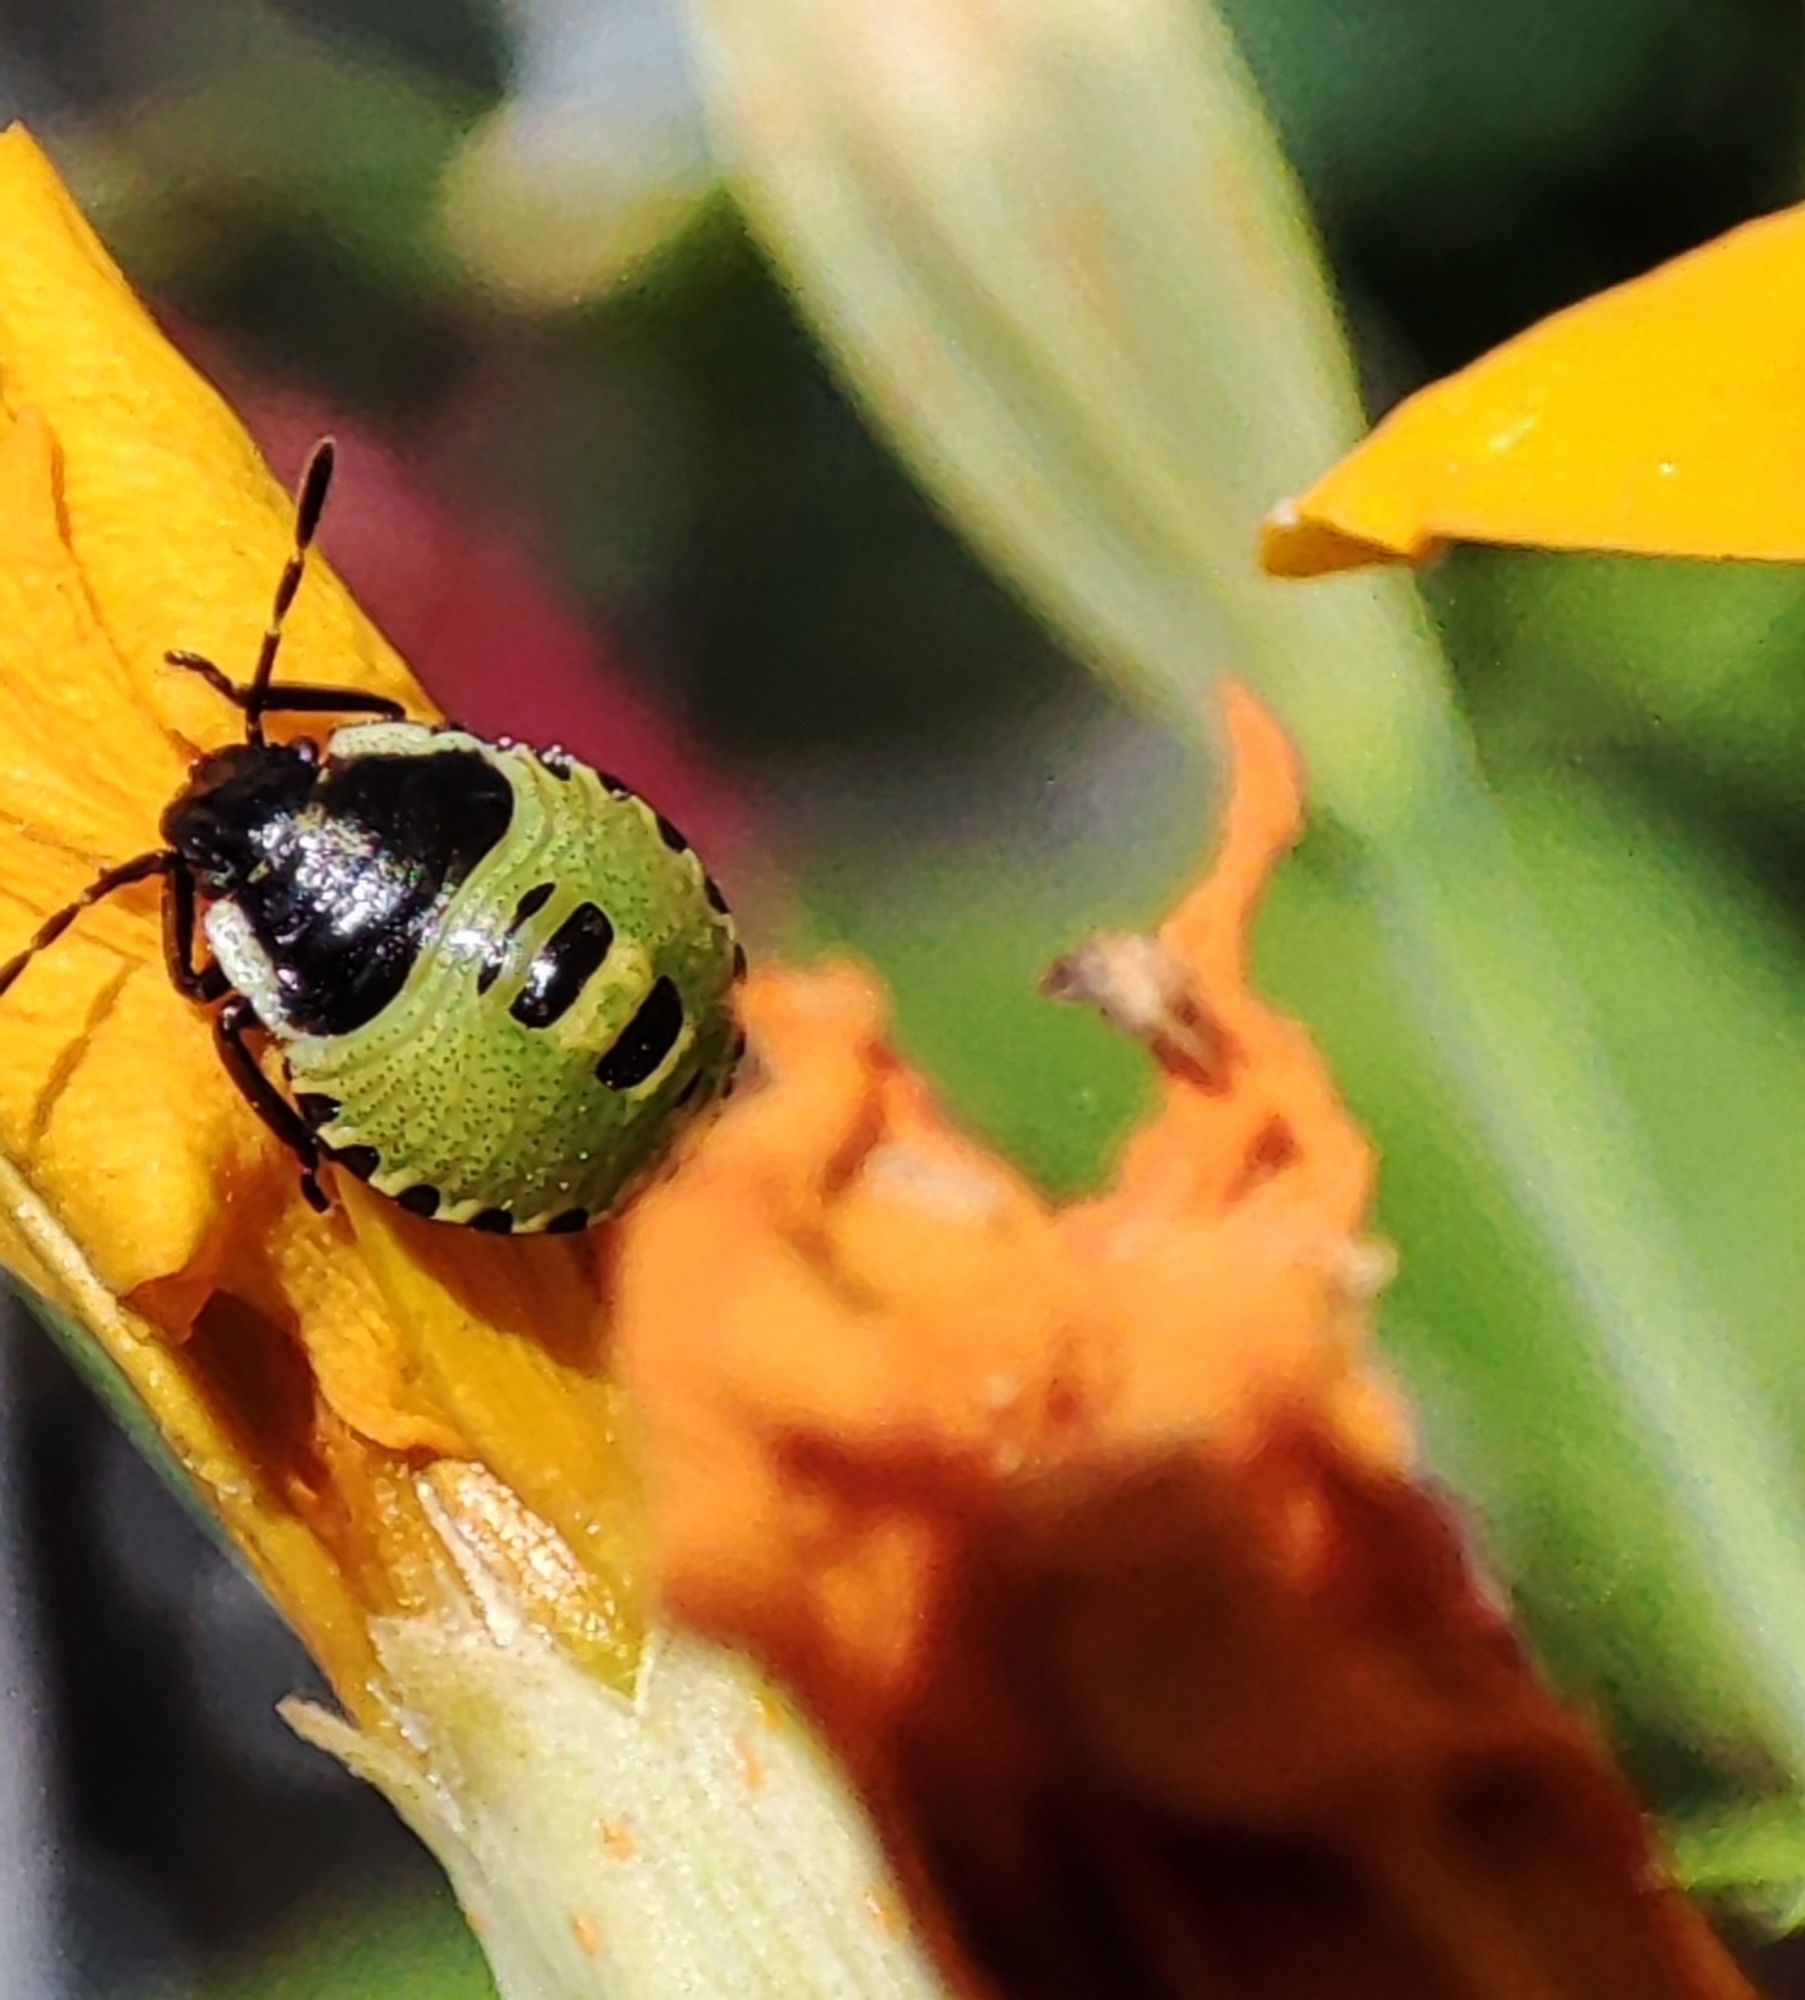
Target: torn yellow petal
<point x="77" y="754"/>
<point x="280" y="1545"/>
<point x="172" y="516"/>
<point x="305" y="1369"/>
<point x="132" y="1132"/>
<point x="512" y="1347"/>
<point x="1664" y="417"/>
<point x="345" y="1327"/>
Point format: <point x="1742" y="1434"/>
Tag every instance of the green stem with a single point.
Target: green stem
<point x="1507" y="1047"/>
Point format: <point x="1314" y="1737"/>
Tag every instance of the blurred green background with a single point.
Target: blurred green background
<point x="612" y="492"/>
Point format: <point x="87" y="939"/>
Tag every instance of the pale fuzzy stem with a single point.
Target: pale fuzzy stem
<point x="690" y="1840"/>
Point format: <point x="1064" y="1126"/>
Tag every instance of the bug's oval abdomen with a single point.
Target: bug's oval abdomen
<point x="567" y="1011"/>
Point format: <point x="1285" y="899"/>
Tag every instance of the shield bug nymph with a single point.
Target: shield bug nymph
<point x="499" y="981"/>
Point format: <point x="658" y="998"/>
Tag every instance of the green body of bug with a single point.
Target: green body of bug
<point x="499" y="980"/>
<point x="565" y="1011"/>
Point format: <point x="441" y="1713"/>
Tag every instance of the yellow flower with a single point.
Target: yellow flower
<point x="299" y="1367"/>
<point x="1660" y="418"/>
<point x="1088" y="1534"/>
<point x="410" y="1431"/>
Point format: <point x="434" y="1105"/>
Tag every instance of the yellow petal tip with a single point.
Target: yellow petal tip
<point x="1298" y="541"/>
<point x="1663" y="417"/>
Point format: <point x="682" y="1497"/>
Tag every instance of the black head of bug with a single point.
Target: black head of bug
<point x="336" y="868"/>
<point x="223" y="820"/>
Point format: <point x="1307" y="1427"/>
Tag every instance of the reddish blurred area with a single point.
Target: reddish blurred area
<point x="473" y="612"/>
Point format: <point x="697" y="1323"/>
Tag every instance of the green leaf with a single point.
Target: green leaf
<point x="1593" y="1511"/>
<point x="349" y="144"/>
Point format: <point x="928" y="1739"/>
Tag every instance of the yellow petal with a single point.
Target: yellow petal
<point x="172" y="517"/>
<point x="78" y="756"/>
<point x="88" y="1034"/>
<point x="1665" y="417"/>
<point x="304" y="1369"/>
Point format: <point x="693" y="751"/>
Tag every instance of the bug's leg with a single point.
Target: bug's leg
<point x="297" y="698"/>
<point x="231" y="1024"/>
<point x="139" y="869"/>
<point x="194" y="982"/>
<point x="309" y="698"/>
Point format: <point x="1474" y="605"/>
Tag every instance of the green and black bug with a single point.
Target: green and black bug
<point x="499" y="981"/>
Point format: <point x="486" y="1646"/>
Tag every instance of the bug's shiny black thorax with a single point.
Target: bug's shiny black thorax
<point x="337" y="866"/>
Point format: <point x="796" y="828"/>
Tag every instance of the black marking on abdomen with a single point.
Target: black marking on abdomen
<point x="359" y="1160"/>
<point x="496" y="1221"/>
<point x="568" y="1223"/>
<point x="646" y="1039"/>
<point x="316" y="1108"/>
<point x="421" y="1199"/>
<point x="562" y="966"/>
<point x="616" y="788"/>
<point x="672" y="836"/>
<point x="495" y="955"/>
<point x="712" y="890"/>
<point x="739" y="960"/>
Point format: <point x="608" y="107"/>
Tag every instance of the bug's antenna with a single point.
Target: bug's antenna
<point x="310" y="503"/>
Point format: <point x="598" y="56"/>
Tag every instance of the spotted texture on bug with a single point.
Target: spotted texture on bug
<point x="538" y="1103"/>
